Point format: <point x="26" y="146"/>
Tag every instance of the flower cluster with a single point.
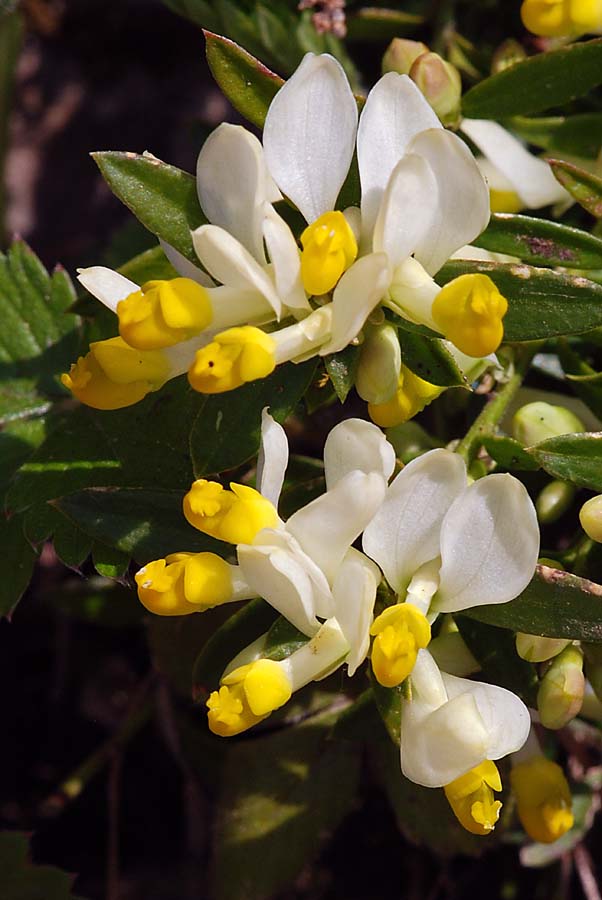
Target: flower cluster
<point x="259" y="298"/>
<point x="441" y="544"/>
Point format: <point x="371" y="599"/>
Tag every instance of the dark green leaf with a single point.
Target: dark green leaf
<point x="541" y="242"/>
<point x="198" y="11"/>
<point x="247" y="83"/>
<point x="579" y="135"/>
<point x="18" y="440"/>
<point x="144" y="524"/>
<point x="584" y="187"/>
<point x="540" y="82"/>
<point x="227" y="430"/>
<point x="24" y="880"/>
<point x="541" y="303"/>
<point x="572" y="457"/>
<point x="555" y="604"/>
<point x="282" y="795"/>
<point x="283" y="639"/>
<point x="97" y="600"/>
<point x="162" y="197"/>
<point x="573" y="364"/>
<point x="508" y="453"/>
<point x="430" y="359"/>
<point x="495" y="650"/>
<point x="388" y="704"/>
<point x="16" y="563"/>
<point x="38" y="338"/>
<point x="378" y="24"/>
<point x="109" y="562"/>
<point x="147" y="266"/>
<point x="342" y="369"/>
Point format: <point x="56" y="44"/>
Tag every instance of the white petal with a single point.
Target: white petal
<point x="489" y="545"/>
<point x="360" y="289"/>
<point x="281" y="579"/>
<point x="327" y="526"/>
<point x="531" y="178"/>
<point x="412" y="293"/>
<point x="273" y="458"/>
<point x="228" y="261"/>
<point x="404" y="533"/>
<point x="321" y="655"/>
<point x="354" y="593"/>
<point x="184" y="267"/>
<point x="303" y="339"/>
<point x="232" y="306"/>
<point x="504" y="715"/>
<point x="106" y="285"/>
<point x="407" y="208"/>
<point x="395" y="111"/>
<point x="285" y="258"/>
<point x="233" y="184"/>
<point x="357" y="444"/>
<point x="309" y="135"/>
<point x="463" y="197"/>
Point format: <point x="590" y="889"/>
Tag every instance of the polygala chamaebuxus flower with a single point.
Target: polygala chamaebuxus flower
<point x="562" y="18"/>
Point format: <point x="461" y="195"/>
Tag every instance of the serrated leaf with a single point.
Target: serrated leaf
<point x="24" y="880"/>
<point x="227" y="430"/>
<point x="162" y="197"/>
<point x="541" y="303"/>
<point x="508" y="453"/>
<point x="555" y="604"/>
<point x="541" y="242"/>
<point x="584" y="187"/>
<point x="247" y="83"/>
<point x="16" y="563"/>
<point x="541" y="82"/>
<point x="342" y="369"/>
<point x="431" y="360"/>
<point x="282" y="795"/>
<point x="38" y="338"/>
<point x="143" y="524"/>
<point x="495" y="650"/>
<point x="572" y="457"/>
<point x="379" y="24"/>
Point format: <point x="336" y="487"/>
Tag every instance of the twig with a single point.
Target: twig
<point x="585" y="870"/>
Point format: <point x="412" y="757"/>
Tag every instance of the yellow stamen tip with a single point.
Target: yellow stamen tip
<point x="471" y="798"/>
<point x="246" y="696"/>
<point x="469" y="312"/>
<point x="329" y="248"/>
<point x="233" y="357"/>
<point x="543" y="798"/>
<point x="163" y="313"/>
<point x="412" y="395"/>
<point x="236" y="515"/>
<point x="399" y="633"/>
<point x="113" y="375"/>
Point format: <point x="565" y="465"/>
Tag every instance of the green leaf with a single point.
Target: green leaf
<point x="508" y="453"/>
<point x="388" y="704"/>
<point x="283" y="639"/>
<point x="541" y="82"/>
<point x="147" y="266"/>
<point x="495" y="650"/>
<point x="555" y="604"/>
<point x="98" y="601"/>
<point x="24" y="880"/>
<point x="579" y="135"/>
<point x="227" y="430"/>
<point x="283" y="793"/>
<point x="162" y="197"/>
<point x="143" y="524"/>
<point x="18" y="440"/>
<point x="38" y="338"/>
<point x="247" y="83"/>
<point x="541" y="303"/>
<point x="584" y="187"/>
<point x="431" y="360"/>
<point x="378" y="24"/>
<point x="423" y="814"/>
<point x="572" y="457"/>
<point x="198" y="11"/>
<point x="16" y="563"/>
<point x="541" y="242"/>
<point x="574" y="365"/>
<point x="342" y="369"/>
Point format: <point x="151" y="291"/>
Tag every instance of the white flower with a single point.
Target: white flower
<point x="444" y="547"/>
<point x="450" y="725"/>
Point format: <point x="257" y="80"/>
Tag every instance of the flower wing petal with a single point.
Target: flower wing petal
<point x="489" y="545"/>
<point x="354" y="593"/>
<point x="273" y="458"/>
<point x="357" y="444"/>
<point x="184" y="267"/>
<point x="106" y="285"/>
<point x="309" y="134"/>
<point x="284" y="256"/>
<point x="360" y="289"/>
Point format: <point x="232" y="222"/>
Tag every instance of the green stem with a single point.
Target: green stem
<point x="491" y="414"/>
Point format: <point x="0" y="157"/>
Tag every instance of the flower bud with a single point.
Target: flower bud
<point x="400" y="55"/>
<point x="441" y="85"/>
<point x="554" y="500"/>
<point x="535" y="648"/>
<point x="561" y="690"/>
<point x="379" y="366"/>
<point x="590" y="517"/>
<point x="593" y="667"/>
<point x="507" y="55"/>
<point x="538" y="421"/>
